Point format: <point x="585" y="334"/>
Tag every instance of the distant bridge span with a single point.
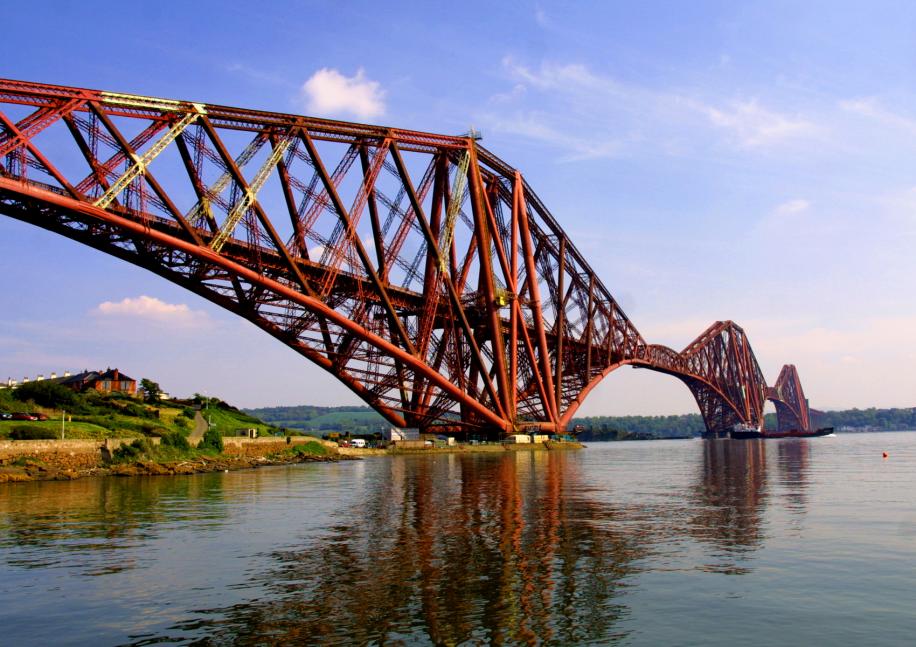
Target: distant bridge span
<point x="419" y="269"/>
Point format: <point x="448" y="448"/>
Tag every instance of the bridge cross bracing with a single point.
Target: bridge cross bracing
<point x="419" y="269"/>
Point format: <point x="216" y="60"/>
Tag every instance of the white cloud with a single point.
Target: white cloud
<point x="540" y="17"/>
<point x="533" y="126"/>
<point x="787" y="214"/>
<point x="595" y="116"/>
<point x="151" y="309"/>
<point x="328" y="92"/>
<point x="871" y="108"/>
<point x="792" y="207"/>
<point x="754" y="126"/>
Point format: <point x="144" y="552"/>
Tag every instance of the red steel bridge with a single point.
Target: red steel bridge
<point x="420" y="270"/>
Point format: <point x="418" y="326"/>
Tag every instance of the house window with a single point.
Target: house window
<point x="106" y="385"/>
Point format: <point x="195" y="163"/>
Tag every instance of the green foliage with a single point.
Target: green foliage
<point x="355" y="420"/>
<point x="138" y="410"/>
<point x="310" y="449"/>
<point x="131" y="452"/>
<point x="646" y="427"/>
<point x="871" y="419"/>
<point x="176" y="440"/>
<point x="151" y="390"/>
<point x="27" y="432"/>
<point x="639" y="427"/>
<point x="228" y="420"/>
<point x="99" y="415"/>
<point x="45" y="394"/>
<point x="212" y="440"/>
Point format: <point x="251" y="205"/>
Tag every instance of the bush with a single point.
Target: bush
<point x="139" y="411"/>
<point x="25" y="432"/>
<point x="176" y="440"/>
<point x="131" y="452"/>
<point x="46" y="394"/>
<point x="211" y="440"/>
<point x="188" y="413"/>
<point x="182" y="423"/>
<point x="311" y="449"/>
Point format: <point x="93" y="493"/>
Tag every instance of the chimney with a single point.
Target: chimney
<point x="117" y="376"/>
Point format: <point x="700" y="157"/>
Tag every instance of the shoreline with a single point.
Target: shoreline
<point x="37" y="470"/>
<point x="58" y="464"/>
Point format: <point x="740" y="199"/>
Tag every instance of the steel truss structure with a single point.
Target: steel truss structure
<point x="420" y="270"/>
<point x="792" y="412"/>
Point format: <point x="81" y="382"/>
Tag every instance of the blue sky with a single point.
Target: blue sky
<point x="744" y="161"/>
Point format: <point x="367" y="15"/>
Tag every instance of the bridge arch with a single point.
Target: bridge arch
<point x="419" y="269"/>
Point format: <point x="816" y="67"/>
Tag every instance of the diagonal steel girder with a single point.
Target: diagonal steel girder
<point x="497" y="324"/>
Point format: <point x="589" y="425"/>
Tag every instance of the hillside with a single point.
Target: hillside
<point x="355" y="419"/>
<point x="93" y="415"/>
<point x="362" y="420"/>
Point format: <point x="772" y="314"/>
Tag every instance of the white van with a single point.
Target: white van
<point x="358" y="442"/>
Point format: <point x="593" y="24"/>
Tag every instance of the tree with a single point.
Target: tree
<point x="212" y="440"/>
<point x="46" y="394"/>
<point x="151" y="390"/>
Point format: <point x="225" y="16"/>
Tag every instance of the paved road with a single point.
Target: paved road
<point x="200" y="427"/>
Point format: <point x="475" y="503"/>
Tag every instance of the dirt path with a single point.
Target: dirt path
<point x="200" y="428"/>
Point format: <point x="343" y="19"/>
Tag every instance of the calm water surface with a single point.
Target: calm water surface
<point x="651" y="543"/>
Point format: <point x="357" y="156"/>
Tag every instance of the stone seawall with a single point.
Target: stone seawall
<point x="86" y="454"/>
<point x="258" y="447"/>
<point x="61" y="454"/>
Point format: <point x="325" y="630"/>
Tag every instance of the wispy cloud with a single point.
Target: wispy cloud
<point x="534" y="126"/>
<point x="751" y="125"/>
<point x="790" y="214"/>
<point x="540" y="17"/>
<point x="590" y="115"/>
<point x="328" y="92"/>
<point x="152" y="309"/>
<point x="257" y="75"/>
<point x="871" y="108"/>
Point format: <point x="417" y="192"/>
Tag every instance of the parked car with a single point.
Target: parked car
<point x="38" y="416"/>
<point x="23" y="416"/>
<point x="5" y="416"/>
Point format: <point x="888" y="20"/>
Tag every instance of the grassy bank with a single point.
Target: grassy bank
<point x="96" y="416"/>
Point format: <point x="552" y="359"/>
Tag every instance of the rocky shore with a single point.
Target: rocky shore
<point x="36" y="470"/>
<point x="67" y="460"/>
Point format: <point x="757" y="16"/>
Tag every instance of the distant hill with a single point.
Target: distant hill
<point x="355" y="419"/>
<point x="364" y="420"/>
<point x="690" y="425"/>
<point x="639" y="427"/>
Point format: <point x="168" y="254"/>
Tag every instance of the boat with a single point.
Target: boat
<point x="742" y="431"/>
<point x="798" y="433"/>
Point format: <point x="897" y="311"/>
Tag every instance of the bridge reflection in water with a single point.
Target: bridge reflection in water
<point x="496" y="549"/>
<point x="516" y="548"/>
<point x="508" y="548"/>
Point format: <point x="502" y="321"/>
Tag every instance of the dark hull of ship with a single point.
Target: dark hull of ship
<point x="794" y="433"/>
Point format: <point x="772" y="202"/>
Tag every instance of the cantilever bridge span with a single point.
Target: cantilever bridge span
<point x="419" y="269"/>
